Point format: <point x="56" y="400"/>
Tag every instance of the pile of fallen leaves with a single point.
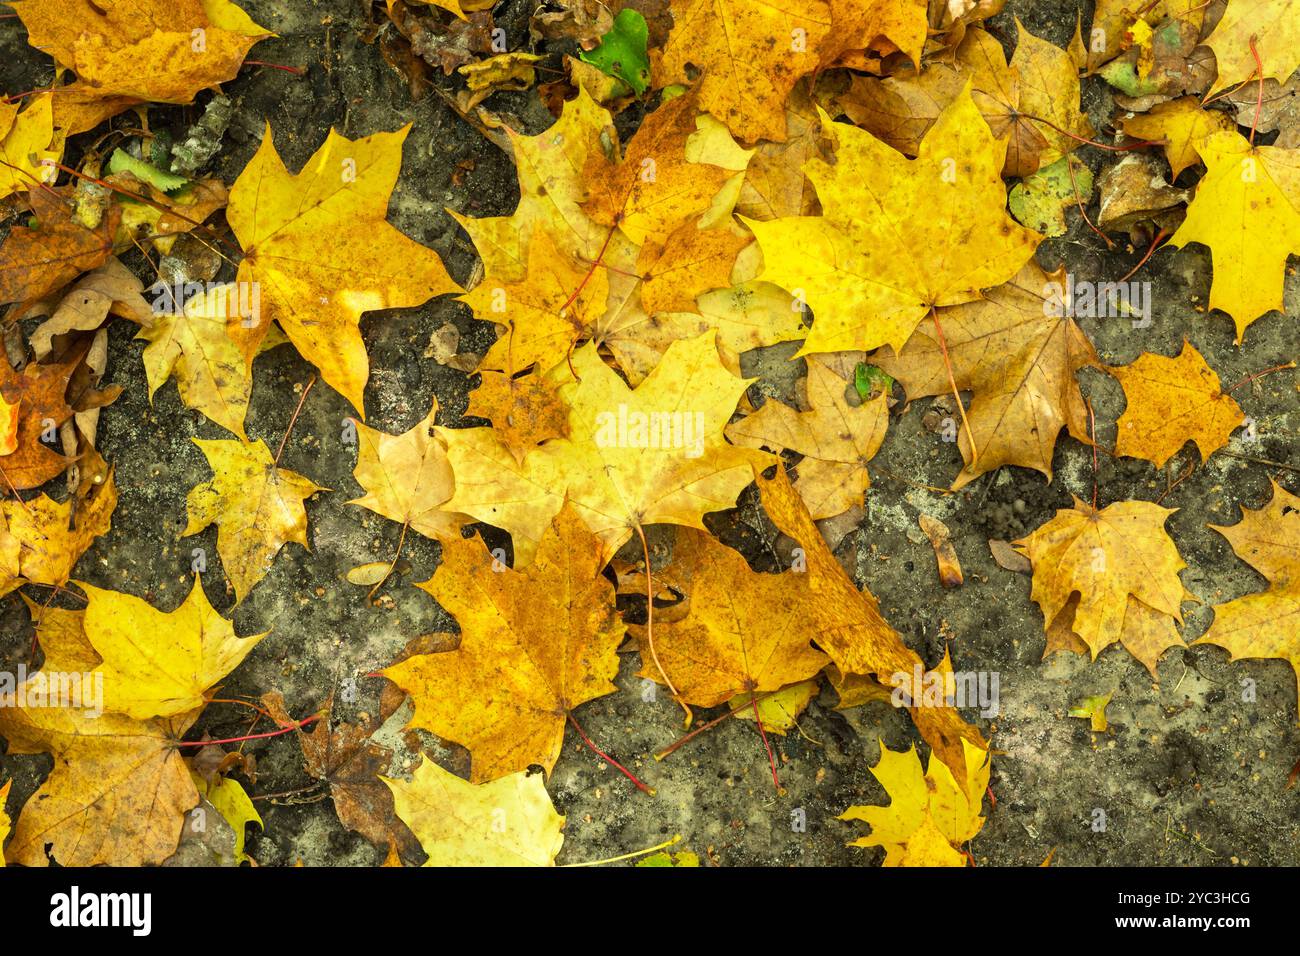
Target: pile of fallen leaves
<point x="870" y="178"/>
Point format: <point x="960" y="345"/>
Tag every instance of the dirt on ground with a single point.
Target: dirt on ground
<point x="1192" y="770"/>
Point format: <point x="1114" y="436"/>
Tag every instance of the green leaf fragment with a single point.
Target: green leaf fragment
<point x="622" y="51"/>
<point x="123" y="161"/>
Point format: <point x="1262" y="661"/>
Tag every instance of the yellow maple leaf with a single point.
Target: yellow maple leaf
<point x="1031" y="102"/>
<point x="189" y="650"/>
<point x="407" y="477"/>
<point x="507" y="822"/>
<point x="188" y="45"/>
<point x="117" y="793"/>
<point x="1105" y="555"/>
<point x="836" y="440"/>
<point x="535" y="643"/>
<point x="1172" y="401"/>
<point x="119" y="788"/>
<point x="1263" y="625"/>
<point x="1247" y="210"/>
<point x="929" y="814"/>
<point x="743" y="632"/>
<point x="690" y="262"/>
<point x="872" y="267"/>
<point x="552" y="190"/>
<point x="750" y="56"/>
<point x="41" y="542"/>
<point x="1269" y="28"/>
<point x="633" y="456"/>
<point x="1183" y="124"/>
<point x="256" y="505"/>
<point x="195" y="346"/>
<point x="26" y="141"/>
<point x="317" y="290"/>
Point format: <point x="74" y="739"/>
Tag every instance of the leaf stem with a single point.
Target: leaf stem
<point x="302" y="398"/>
<point x="771" y="759"/>
<point x="607" y="758"/>
<point x="297" y="725"/>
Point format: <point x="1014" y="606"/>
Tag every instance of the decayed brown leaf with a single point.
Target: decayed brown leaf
<point x="40" y="392"/>
<point x="35" y="261"/>
<point x="346" y="758"/>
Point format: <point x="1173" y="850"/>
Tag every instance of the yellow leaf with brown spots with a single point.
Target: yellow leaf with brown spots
<point x="1267" y="28"/>
<point x="690" y="262"/>
<point x="195" y="347"/>
<point x="750" y="55"/>
<point x="545" y="313"/>
<point x="525" y="412"/>
<point x="164" y="51"/>
<point x="156" y="663"/>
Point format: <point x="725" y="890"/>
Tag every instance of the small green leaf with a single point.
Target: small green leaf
<point x="869" y="380"/>
<point x="122" y="161"/>
<point x="622" y="51"/>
